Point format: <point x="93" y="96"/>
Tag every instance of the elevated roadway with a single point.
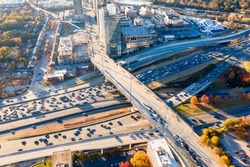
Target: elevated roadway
<point x="236" y="60"/>
<point x="143" y="99"/>
<point x="154" y="54"/>
<point x="85" y="145"/>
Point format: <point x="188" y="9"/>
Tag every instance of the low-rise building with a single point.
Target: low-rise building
<point x="135" y="37"/>
<point x="12" y="3"/>
<point x="125" y="22"/>
<point x="145" y="12"/>
<point x="62" y="159"/>
<point x="149" y="24"/>
<point x="158" y="21"/>
<point x="173" y="19"/>
<point x="130" y="12"/>
<point x="56" y="75"/>
<point x="65" y="51"/>
<point x="138" y="21"/>
<point x="159" y="153"/>
<point x="72" y="50"/>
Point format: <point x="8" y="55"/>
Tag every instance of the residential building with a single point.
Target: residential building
<point x="110" y="29"/>
<point x="135" y="37"/>
<point x="159" y="153"/>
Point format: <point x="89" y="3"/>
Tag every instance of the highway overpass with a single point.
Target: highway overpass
<point x="143" y="99"/>
<point x="85" y="145"/>
<point x="235" y="60"/>
<point x="151" y="55"/>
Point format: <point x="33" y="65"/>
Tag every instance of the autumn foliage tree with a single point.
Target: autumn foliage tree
<point x="215" y="140"/>
<point x="225" y="160"/>
<point x="211" y="99"/>
<point x="225" y="100"/>
<point x="217" y="151"/>
<point x="122" y="164"/>
<point x="194" y="100"/>
<point x="140" y="159"/>
<point x="247" y="96"/>
<point x="217" y="99"/>
<point x="205" y="99"/>
<point x="127" y="164"/>
<point x="204" y="139"/>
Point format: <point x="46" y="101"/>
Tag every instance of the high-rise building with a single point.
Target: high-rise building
<point x="110" y="29"/>
<point x="78" y="6"/>
<point x="97" y="5"/>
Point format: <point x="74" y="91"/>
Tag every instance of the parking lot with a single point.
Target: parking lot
<point x="112" y="160"/>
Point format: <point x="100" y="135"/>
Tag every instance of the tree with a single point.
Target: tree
<point x="211" y="99"/>
<point x="4" y="51"/>
<point x="225" y="100"/>
<point x="231" y="75"/>
<point x="230" y="123"/>
<point x="9" y="34"/>
<point x="205" y="99"/>
<point x="140" y="159"/>
<point x="204" y="139"/>
<point x="217" y="151"/>
<point x="122" y="164"/>
<point x="237" y="93"/>
<point x="225" y="160"/>
<point x="217" y="99"/>
<point x="205" y="132"/>
<point x="215" y="140"/>
<point x="194" y="100"/>
<point x="127" y="164"/>
<point x="248" y="96"/>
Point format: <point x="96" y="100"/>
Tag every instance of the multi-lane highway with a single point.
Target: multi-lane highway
<point x="160" y="115"/>
<point x="85" y="145"/>
<point x="235" y="60"/>
<point x="152" y="107"/>
<point x="154" y="54"/>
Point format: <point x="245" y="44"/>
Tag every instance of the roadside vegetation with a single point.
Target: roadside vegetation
<point x="140" y="159"/>
<point x="211" y="136"/>
<point x="47" y="163"/>
<point x="235" y="98"/>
